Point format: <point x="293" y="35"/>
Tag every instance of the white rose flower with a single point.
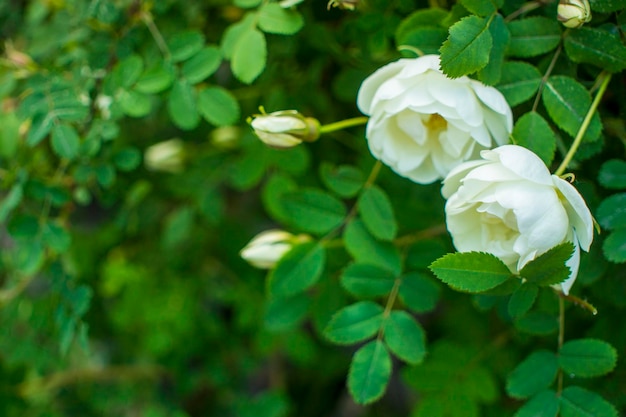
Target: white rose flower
<point x="508" y="204"/>
<point x="268" y="247"/>
<point x="422" y="123"/>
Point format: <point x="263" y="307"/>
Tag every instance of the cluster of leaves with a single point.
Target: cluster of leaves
<point x="121" y="288"/>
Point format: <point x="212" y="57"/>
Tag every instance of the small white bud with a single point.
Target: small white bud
<point x="165" y="156"/>
<point x="284" y="129"/>
<point x="574" y="13"/>
<point x="268" y="247"/>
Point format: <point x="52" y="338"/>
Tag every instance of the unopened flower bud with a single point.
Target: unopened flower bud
<point x="343" y="4"/>
<point x="165" y="156"/>
<point x="574" y="13"/>
<point x="284" y="129"/>
<point x="268" y="247"/>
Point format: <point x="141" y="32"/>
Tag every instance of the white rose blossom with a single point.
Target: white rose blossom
<point x="268" y="247"/>
<point x="422" y="123"/>
<point x="508" y="204"/>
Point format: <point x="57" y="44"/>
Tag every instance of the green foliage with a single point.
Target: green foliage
<point x="471" y="272"/>
<point x="532" y="131"/>
<point x="298" y="270"/>
<point x="369" y="372"/>
<point x="120" y="268"/>
<point x="533" y="375"/>
<point x="587" y="357"/>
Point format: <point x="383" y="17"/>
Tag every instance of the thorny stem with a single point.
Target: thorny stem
<point x="409" y="239"/>
<point x="391" y="300"/>
<point x="527" y="7"/>
<point x="605" y="77"/>
<point x="75" y="376"/>
<point x="544" y="79"/>
<point x="343" y="124"/>
<point x="146" y="17"/>
<point x="560" y="342"/>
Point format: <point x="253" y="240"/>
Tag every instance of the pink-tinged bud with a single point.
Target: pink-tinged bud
<point x="574" y="13"/>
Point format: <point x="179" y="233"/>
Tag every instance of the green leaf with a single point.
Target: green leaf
<point x="55" y="237"/>
<point x="500" y="35"/>
<point x="154" y="80"/>
<point x="181" y="105"/>
<point x="567" y="102"/>
<point x="127" y="159"/>
<point x="285" y="313"/>
<point x="536" y="373"/>
<point x="65" y="141"/>
<point x="606" y="6"/>
<point x="611" y="212"/>
<point x="134" y="104"/>
<point x="247" y="4"/>
<point x="129" y="70"/>
<point x="613" y="174"/>
<point x="10" y="137"/>
<point x="549" y="268"/>
<point x="377" y="213"/>
<point x="275" y="187"/>
<point x="249" y="55"/>
<point x="202" y="65"/>
<point x="298" y="270"/>
<point x="364" y="248"/>
<point x="614" y="246"/>
<point x="30" y="256"/>
<point x="419" y="292"/>
<point x="184" y="45"/>
<point x="533" y="36"/>
<point x="405" y="337"/>
<point x="467" y="48"/>
<point x="522" y="300"/>
<point x="313" y="210"/>
<point x="538" y="322"/>
<point x="234" y="32"/>
<point x="470" y="271"/>
<point x="423" y="30"/>
<point x="344" y="180"/>
<point x="364" y="280"/>
<point x="354" y="323"/>
<point x="533" y="132"/>
<point x="579" y="402"/>
<point x="11" y="201"/>
<point x="597" y="47"/>
<point x="480" y="7"/>
<point x="587" y="358"/>
<point x="218" y="106"/>
<point x="40" y="126"/>
<point x="369" y="374"/>
<point x="275" y="19"/>
<point x="544" y="404"/>
<point x="105" y="174"/>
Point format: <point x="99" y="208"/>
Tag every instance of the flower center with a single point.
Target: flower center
<point x="436" y="123"/>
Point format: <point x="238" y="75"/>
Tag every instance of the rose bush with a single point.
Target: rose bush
<point x="422" y="123"/>
<point x="508" y="204"/>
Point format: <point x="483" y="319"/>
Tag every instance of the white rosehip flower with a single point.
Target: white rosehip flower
<point x="165" y="156"/>
<point x="508" y="204"/>
<point x="268" y="247"/>
<point x="573" y="13"/>
<point x="422" y="123"/>
<point x="284" y="129"/>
